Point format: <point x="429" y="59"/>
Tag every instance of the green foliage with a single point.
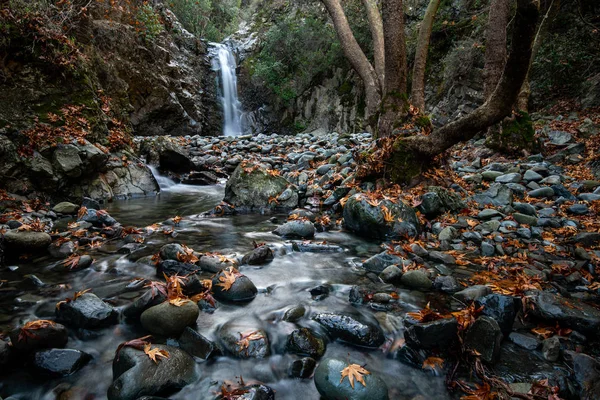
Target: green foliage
<point x="149" y="22"/>
<point x="209" y="19"/>
<point x="515" y="135"/>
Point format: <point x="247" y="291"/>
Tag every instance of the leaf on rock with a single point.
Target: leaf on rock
<point x="425" y="315"/>
<point x="155" y="354"/>
<point x="354" y="371"/>
<point x="26" y="330"/>
<point x="227" y="279"/>
<point x="139" y="343"/>
<point x="178" y="302"/>
<point x="246" y="338"/>
<point x="433" y="363"/>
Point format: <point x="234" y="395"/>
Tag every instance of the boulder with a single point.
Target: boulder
<point x="569" y="313"/>
<point x="244" y="338"/>
<point x="499" y="307"/>
<point x="88" y="312"/>
<point x="60" y="362"/>
<point x="331" y="386"/>
<point x="67" y="161"/>
<point x="416" y="279"/>
<point x="350" y="329"/>
<point x="65" y="208"/>
<point x="169" y="320"/>
<point x="241" y="290"/>
<point x="17" y="242"/>
<point x="297" y="229"/>
<point x="441" y="333"/>
<point x="259" y="256"/>
<point x="484" y="337"/>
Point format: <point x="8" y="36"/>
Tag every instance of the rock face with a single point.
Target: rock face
<point x="329" y="383"/>
<point x="136" y="375"/>
<point x="256" y="190"/>
<point x="567" y="312"/>
<point x="368" y="220"/>
<point x="88" y="312"/>
<point x="169" y="320"/>
<point x="351" y="329"/>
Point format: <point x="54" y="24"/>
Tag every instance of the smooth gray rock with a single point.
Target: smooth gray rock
<point x="17" y="242"/>
<point x="331" y="386"/>
<point x="242" y="289"/>
<point x="296" y="230"/>
<point x="416" y="279"/>
<point x="351" y="329"/>
<point x="166" y="319"/>
<point x="473" y="293"/>
<point x="484" y="337"/>
<point x="60" y="362"/>
<point x="87" y="311"/>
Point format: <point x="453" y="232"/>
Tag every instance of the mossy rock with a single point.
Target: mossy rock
<point x="515" y="135"/>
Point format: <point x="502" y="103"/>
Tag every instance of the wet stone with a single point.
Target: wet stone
<point x="391" y="274"/>
<point x="499" y="307"/>
<point x="551" y="349"/>
<point x="351" y="329"/>
<point x="447" y="284"/>
<point x="294" y="314"/>
<point x="525" y="341"/>
<point x="416" y="279"/>
<point x="242" y="289"/>
<point x="484" y="337"/>
<point x="169" y="320"/>
<point x="42" y="338"/>
<point x="87" y="311"/>
<point x="296" y="229"/>
<point x="259" y="256"/>
<point x="232" y="334"/>
<point x="329" y="383"/>
<point x="60" y="362"/>
<point x="435" y="334"/>
<point x="472" y="293"/>
<point x="304" y="342"/>
<point x="570" y="313"/>
<point x="302" y="368"/>
<point x="197" y="345"/>
<point x="380" y="261"/>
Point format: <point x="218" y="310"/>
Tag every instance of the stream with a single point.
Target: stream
<point x="283" y="283"/>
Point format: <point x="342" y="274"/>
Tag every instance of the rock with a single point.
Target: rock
<point x="448" y="233"/>
<point x="487" y="249"/>
<point x="587" y="238"/>
<point x="416" y="279"/>
<point x="244" y="338"/>
<point x="294" y="314"/>
<point x="148" y="299"/>
<point x="65" y="208"/>
<point x="380" y="261"/>
<point x="171" y="251"/>
<point x="431" y="205"/>
<point x="569" y="313"/>
<point x="17" y="242"/>
<point x="254" y="189"/>
<point x="172" y="267"/>
<point x="296" y="230"/>
<point x="303" y="342"/>
<point x="64" y="250"/>
<point x="559" y="138"/>
<point x="302" y="368"/>
<point x="551" y="348"/>
<point x="447" y="284"/>
<point x="586" y="370"/>
<point x="97" y="218"/>
<point x="136" y="375"/>
<point x="172" y="157"/>
<point x="525" y="208"/>
<point x="542" y="192"/>
<point x="5" y="353"/>
<point x="52" y="335"/>
<point x="440" y="333"/>
<point x="509" y="178"/>
<point x="368" y="220"/>
<point x="66" y="160"/>
<point x="391" y="274"/>
<point x="489" y="213"/>
<point x="331" y="386"/>
<point x="484" y="337"/>
<point x="578" y="209"/>
<point x="472" y="293"/>
<point x="169" y="320"/>
<point x="259" y="256"/>
<point x="528" y="342"/>
<point x="88" y="312"/>
<point x="60" y="362"/>
<point x="499" y="307"/>
<point x="196" y="344"/>
<point x="491" y="175"/>
<point x="524" y="219"/>
<point x="242" y="289"/>
<point x="354" y="330"/>
<point x="441" y="257"/>
<point x="531" y="175"/>
<point x="497" y="195"/>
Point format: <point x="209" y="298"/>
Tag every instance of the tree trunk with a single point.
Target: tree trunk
<point x="376" y="26"/>
<point x="495" y="45"/>
<point x="417" y="94"/>
<point x="420" y="150"/>
<point x="523" y="100"/>
<point x="394" y="99"/>
<point x="355" y="56"/>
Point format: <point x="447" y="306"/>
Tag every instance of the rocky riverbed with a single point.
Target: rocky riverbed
<point x="295" y="274"/>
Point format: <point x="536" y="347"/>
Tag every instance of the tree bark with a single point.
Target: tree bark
<point x="495" y="45"/>
<point x="394" y="98"/>
<point x="421" y="149"/>
<point x="417" y="94"/>
<point x="376" y="26"/>
<point x="357" y="58"/>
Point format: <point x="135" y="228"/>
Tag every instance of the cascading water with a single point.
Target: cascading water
<point x="164" y="182"/>
<point x="224" y="61"/>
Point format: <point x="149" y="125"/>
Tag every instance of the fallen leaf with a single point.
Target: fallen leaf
<point x="354" y="371"/>
<point x="155" y="354"/>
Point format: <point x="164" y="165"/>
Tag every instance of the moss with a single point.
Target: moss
<point x="516" y="135"/>
<point x="423" y="121"/>
<point x="404" y="163"/>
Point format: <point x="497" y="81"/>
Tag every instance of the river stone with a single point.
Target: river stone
<point x="97" y="218"/>
<point x="254" y="189"/>
<point x="171" y="251"/>
<point x="242" y="289"/>
<point x="259" y="256"/>
<point x="484" y="337"/>
<point x="587" y="238"/>
<point x="570" y="313"/>
<point x="513" y="177"/>
<point x="471" y="293"/>
<point x="66" y="160"/>
<point x="16" y="242"/>
<point x="331" y="386"/>
<point x="586" y="370"/>
<point x="380" y="261"/>
<point x="172" y="267"/>
<point x="294" y="314"/>
<point x="525" y="208"/>
<point x="88" y="312"/>
<point x="391" y="274"/>
<point x="257" y="392"/>
<point x="304" y="342"/>
<point x="296" y="230"/>
<point x="528" y="342"/>
<point x="231" y="335"/>
<point x="524" y="219"/>
<point x="63" y="250"/>
<point x="416" y="279"/>
<point x="368" y="220"/>
<point x="52" y="336"/>
<point x="136" y="375"/>
<point x="447" y="284"/>
<point x="489" y="213"/>
<point x="551" y="348"/>
<point x="213" y="264"/>
<point x="435" y="334"/>
<point x="431" y="205"/>
<point x="60" y="362"/>
<point x="497" y="195"/>
<point x="65" y="208"/>
<point x="196" y="344"/>
<point x="351" y="329"/>
<point x="167" y="319"/>
<point x="491" y="175"/>
<point x="499" y="307"/>
<point x="448" y="233"/>
<point x="302" y="368"/>
<point x="542" y="192"/>
<point x="148" y="299"/>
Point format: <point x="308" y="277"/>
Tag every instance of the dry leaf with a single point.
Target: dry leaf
<point x="354" y="371"/>
<point x="155" y="354"/>
<point x="228" y="278"/>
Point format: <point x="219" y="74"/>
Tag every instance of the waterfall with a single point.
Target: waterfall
<point x="223" y="60"/>
<point x="163" y="182"/>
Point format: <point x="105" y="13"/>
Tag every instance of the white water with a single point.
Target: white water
<point x="224" y="61"/>
<point x="164" y="182"/>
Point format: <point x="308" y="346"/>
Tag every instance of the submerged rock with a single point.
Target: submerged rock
<point x="329" y="383"/>
<point x="351" y="329"/>
<point x="136" y="375"/>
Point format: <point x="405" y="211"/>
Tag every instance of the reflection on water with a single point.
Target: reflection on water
<point x="283" y="283"/>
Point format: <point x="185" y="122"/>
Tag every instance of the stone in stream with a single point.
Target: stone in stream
<point x="472" y="293"/>
<point x="391" y="274"/>
<point x="302" y="368"/>
<point x="59" y="362"/>
<point x="148" y="299"/>
<point x="172" y="267"/>
<point x="259" y="256"/>
<point x="416" y="279"/>
<point x="304" y="342"/>
<point x="294" y="314"/>
<point x="88" y="312"/>
<point x="136" y="375"/>
<point x="380" y="261"/>
<point x="171" y="251"/>
<point x="329" y="383"/>
<point x="197" y="345"/>
<point x="17" y="242"/>
<point x="441" y="333"/>
<point x="370" y="221"/>
<point x="569" y="313"/>
<point x="242" y="289"/>
<point x="65" y="208"/>
<point x="256" y="189"/>
<point x="350" y="329"/>
<point x="48" y="335"/>
<point x="296" y="230"/>
<point x="484" y="337"/>
<point x="214" y="264"/>
<point x="244" y="338"/>
<point x="98" y="218"/>
<point x="169" y="320"/>
<point x="499" y="307"/>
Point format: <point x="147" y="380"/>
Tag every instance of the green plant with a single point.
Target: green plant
<point x="209" y="19"/>
<point x="148" y="23"/>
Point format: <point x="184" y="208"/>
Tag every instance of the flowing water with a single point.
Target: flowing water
<point x="283" y="283"/>
<point x="224" y="62"/>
